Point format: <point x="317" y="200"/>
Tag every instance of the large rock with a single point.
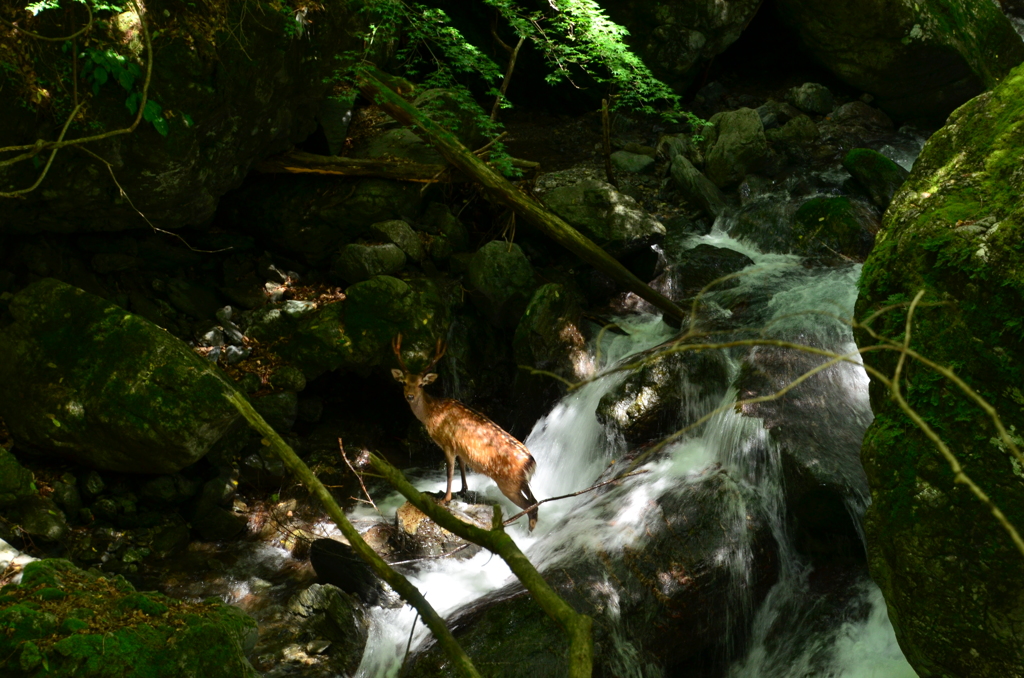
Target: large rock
<point x="919" y="59"/>
<point x="63" y="622"/>
<point x="879" y="175"/>
<point x="500" y="280"/>
<point x="951" y="576"/>
<point x="696" y="188"/>
<point x="91" y="382"/>
<point x="236" y="85"/>
<point x="609" y="218"/>
<point x="677" y="37"/>
<point x="737" y="146"/>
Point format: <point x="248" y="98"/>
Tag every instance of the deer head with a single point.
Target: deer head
<point x="414" y="383"/>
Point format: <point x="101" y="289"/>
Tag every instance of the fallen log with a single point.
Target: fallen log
<point x="504" y="192"/>
<point x="300" y="162"/>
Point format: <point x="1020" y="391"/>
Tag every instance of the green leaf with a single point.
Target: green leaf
<point x="126" y="79"/>
<point x="160" y="125"/>
<point x="132" y="102"/>
<point x="152" y="111"/>
<point x="101" y="75"/>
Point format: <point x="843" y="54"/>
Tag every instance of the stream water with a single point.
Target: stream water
<point x="789" y="635"/>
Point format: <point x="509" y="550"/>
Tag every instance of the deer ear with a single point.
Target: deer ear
<point x="428" y="378"/>
<point x="398" y="375"/>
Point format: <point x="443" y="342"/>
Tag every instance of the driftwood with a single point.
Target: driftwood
<point x="504" y="192"/>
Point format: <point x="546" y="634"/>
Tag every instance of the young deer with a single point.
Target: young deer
<point x="468" y="436"/>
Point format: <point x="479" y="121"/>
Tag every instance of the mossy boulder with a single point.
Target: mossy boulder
<point x="15" y="480"/>
<point x="611" y="219"/>
<point x="361" y="261"/>
<point x="879" y="175"/>
<point x="918" y="58"/>
<point x="87" y="380"/>
<point x="736" y="146"/>
<point x="61" y="621"/>
<point x="952" y="578"/>
<point x="829" y="226"/>
<point x="500" y="279"/>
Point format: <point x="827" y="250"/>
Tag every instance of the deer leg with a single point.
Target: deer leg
<point x="450" y="463"/>
<point x="462" y="470"/>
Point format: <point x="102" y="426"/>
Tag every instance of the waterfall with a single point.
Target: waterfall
<point x="795" y="630"/>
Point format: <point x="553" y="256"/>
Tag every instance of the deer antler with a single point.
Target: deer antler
<point x="438" y="352"/>
<point x="396" y="346"/>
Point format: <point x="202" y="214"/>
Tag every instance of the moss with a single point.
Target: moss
<point x="955" y="230"/>
<point x="145" y="635"/>
<point x="833" y="225"/>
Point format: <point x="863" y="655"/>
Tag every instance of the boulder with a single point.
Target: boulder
<point x="676" y="38"/>
<point x="91" y="382"/>
<point x="234" y="85"/>
<point x="633" y="163"/>
<point x="918" y="58"/>
<point x="951" y="576"/>
<point x="357" y="262"/>
<point x="326" y="612"/>
<point x="64" y="622"/>
<point x="879" y="175"/>
<point x="401" y="234"/>
<point x="696" y="188"/>
<point x="669" y="391"/>
<point x="500" y="280"/>
<point x="736" y="146"/>
<point x="811" y="97"/>
<point x="611" y="219"/>
<point x="16" y="481"/>
<point x="829" y="226"/>
<point x="798" y="130"/>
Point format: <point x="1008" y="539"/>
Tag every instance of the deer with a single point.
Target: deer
<point x="465" y="435"/>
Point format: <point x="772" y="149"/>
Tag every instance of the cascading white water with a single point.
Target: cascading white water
<point x="572" y="450"/>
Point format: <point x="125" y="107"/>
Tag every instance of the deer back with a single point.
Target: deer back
<point x="481" y="443"/>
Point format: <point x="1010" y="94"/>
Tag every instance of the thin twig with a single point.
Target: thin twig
<point x="574" y="494"/>
<point x="359" y="477"/>
<point x="408" y="646"/>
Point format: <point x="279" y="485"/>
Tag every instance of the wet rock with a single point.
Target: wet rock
<point x="834" y="226"/>
<point x="634" y="163"/>
<point x="71" y="363"/>
<point x="879" y="175"/>
<point x="336" y="563"/>
<point x="288" y="378"/>
<point x="698" y="267"/>
<point x="811" y="97"/>
<point x="697" y="189"/>
<point x="420" y="537"/>
<point x="500" y="279"/>
<point x="950" y="575"/>
<point x="918" y="59"/>
<point x="77" y="624"/>
<point x="361" y="261"/>
<point x="612" y="220"/>
<point x="736" y="146"/>
<point x="669" y="391"/>
<point x="326" y="612"/>
<point x="549" y="338"/>
<point x="66" y="495"/>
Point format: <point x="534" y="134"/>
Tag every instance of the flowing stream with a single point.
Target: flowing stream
<point x="796" y="631"/>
